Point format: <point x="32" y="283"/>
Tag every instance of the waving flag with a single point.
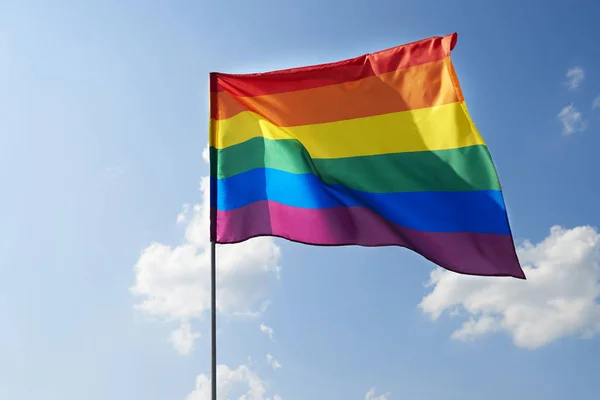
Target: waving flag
<point x="376" y="150"/>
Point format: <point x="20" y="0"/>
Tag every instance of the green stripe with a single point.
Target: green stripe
<point x="463" y="169"/>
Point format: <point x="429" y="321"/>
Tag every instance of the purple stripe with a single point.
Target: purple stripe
<point x="462" y="252"/>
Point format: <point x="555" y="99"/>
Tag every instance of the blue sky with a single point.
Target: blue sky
<point x="103" y="288"/>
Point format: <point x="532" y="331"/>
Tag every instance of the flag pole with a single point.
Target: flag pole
<point x="213" y="254"/>
<point x="213" y="318"/>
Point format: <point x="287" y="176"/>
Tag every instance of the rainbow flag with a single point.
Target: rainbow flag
<point x="376" y="150"/>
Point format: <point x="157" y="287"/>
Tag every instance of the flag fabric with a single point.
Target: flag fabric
<point x="376" y="150"/>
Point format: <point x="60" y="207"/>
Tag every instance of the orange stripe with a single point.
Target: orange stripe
<point x="406" y="89"/>
<point x="454" y="78"/>
<point x="289" y="80"/>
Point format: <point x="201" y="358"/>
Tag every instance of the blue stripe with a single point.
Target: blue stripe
<point x="473" y="211"/>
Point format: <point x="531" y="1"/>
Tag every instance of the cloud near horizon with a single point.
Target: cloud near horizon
<point x="559" y="299"/>
<point x="241" y="383"/>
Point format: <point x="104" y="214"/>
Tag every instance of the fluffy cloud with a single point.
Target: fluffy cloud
<point x="572" y="120"/>
<point x="274" y="363"/>
<point x="183" y="339"/>
<point x="182" y="216"/>
<point x="575" y="76"/>
<point x="267" y="330"/>
<point x="596" y="102"/>
<point x="173" y="282"/>
<point x="371" y="395"/>
<point x="558" y="299"/>
<point x="241" y="383"/>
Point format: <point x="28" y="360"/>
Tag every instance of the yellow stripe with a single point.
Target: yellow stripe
<point x="435" y="128"/>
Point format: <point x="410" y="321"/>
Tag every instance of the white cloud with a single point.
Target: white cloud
<point x="371" y="395"/>
<point x="241" y="383"/>
<point x="575" y="76"/>
<point x="572" y="120"/>
<point x="274" y="363"/>
<point x="183" y="339"/>
<point x="558" y="299"/>
<point x="173" y="282"/>
<point x="596" y="103"/>
<point x="267" y="330"/>
<point x="206" y="154"/>
<point x="182" y="216"/>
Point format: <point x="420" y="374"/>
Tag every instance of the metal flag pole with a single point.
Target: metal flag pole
<point x="213" y="259"/>
<point x="213" y="318"/>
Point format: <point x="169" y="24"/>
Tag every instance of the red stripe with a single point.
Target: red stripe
<point x="288" y="80"/>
